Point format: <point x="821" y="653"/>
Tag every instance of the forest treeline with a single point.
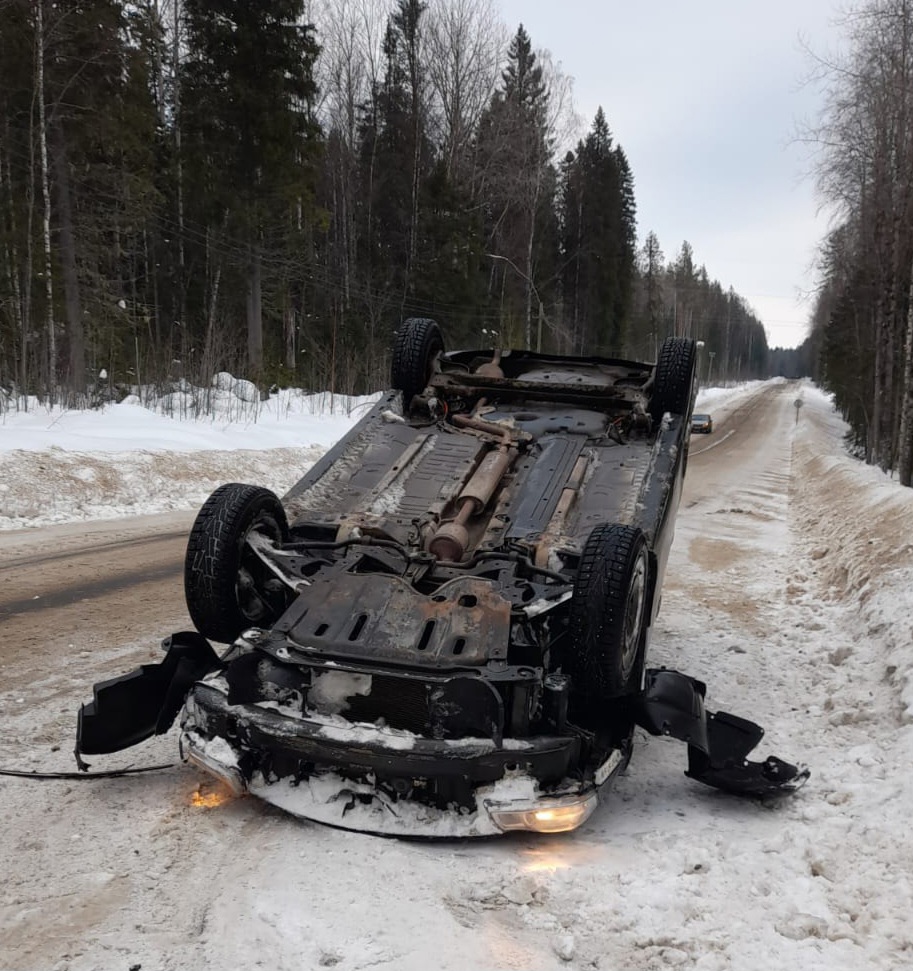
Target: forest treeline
<point x="861" y="344"/>
<point x="271" y="188"/>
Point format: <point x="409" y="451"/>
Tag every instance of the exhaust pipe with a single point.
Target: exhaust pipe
<point x="451" y="539"/>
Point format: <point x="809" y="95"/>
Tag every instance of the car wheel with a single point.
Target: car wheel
<point x="673" y="378"/>
<point x="227" y="586"/>
<point x="418" y="343"/>
<point x="608" y="617"/>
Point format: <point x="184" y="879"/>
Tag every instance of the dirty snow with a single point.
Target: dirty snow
<point x="788" y="592"/>
<point x="330" y="691"/>
<point x="330" y="799"/>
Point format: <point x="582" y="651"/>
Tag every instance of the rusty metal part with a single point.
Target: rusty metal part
<point x="492" y="368"/>
<point x="370" y="616"/>
<point x="480" y="425"/>
<point x="568" y="494"/>
<point x="488" y="474"/>
<point x="450" y="541"/>
<point x="451" y="538"/>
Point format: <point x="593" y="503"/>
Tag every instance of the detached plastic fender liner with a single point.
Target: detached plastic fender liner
<point x="726" y="768"/>
<point x="718" y="743"/>
<point x="673" y="704"/>
<point x="145" y="702"/>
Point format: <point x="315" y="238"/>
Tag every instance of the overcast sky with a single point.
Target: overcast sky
<point x="705" y="98"/>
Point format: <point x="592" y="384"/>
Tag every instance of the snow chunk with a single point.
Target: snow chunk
<point x="239" y="387"/>
<point x="330" y="690"/>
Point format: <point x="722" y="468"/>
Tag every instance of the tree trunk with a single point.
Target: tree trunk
<point x="288" y="319"/>
<point x="530" y="243"/>
<point x="905" y="463"/>
<point x="51" y="368"/>
<point x="254" y="313"/>
<point x="72" y="302"/>
<point x="178" y="297"/>
<point x="209" y="343"/>
<point x="415" y="85"/>
<point x="13" y="270"/>
<point x="882" y="397"/>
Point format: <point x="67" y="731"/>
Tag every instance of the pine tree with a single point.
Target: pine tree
<point x="19" y="329"/>
<point x="395" y="157"/>
<point x="651" y="315"/>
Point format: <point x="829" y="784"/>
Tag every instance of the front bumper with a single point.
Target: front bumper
<point x="370" y="778"/>
<point x="360" y="773"/>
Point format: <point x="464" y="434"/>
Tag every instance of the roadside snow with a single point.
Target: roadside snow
<point x="58" y="466"/>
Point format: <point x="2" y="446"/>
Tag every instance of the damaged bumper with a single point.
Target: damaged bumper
<point x="372" y="778"/>
<point x="514" y="802"/>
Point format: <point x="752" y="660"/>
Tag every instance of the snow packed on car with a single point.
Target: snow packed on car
<point x="443" y="628"/>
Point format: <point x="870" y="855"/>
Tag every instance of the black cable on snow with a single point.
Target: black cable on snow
<point x="109" y="774"/>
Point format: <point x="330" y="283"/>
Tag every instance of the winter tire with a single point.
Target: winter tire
<point x="673" y="380"/>
<point x="609" y="616"/>
<point x="227" y="586"/>
<point x="417" y="346"/>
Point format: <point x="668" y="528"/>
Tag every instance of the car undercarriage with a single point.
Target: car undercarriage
<point x="443" y="628"/>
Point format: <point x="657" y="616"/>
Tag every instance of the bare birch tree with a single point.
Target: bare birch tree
<point x="466" y="44"/>
<point x="865" y="172"/>
<point x="40" y="44"/>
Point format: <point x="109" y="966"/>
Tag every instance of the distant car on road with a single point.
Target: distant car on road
<point x="702" y="424"/>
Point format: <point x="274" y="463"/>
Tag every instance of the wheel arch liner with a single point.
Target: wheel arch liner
<point x="145" y="702"/>
<point x="718" y="742"/>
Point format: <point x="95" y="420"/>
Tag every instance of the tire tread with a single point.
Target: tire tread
<point x="210" y="566"/>
<point x="417" y="340"/>
<point x="674" y="378"/>
<point x="603" y="572"/>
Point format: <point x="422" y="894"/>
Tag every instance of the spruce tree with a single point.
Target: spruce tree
<point x="599" y="242"/>
<point x="516" y="183"/>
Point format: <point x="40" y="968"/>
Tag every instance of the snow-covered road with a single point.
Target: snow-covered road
<point x="788" y="592"/>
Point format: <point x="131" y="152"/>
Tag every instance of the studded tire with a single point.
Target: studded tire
<point x="417" y="346"/>
<point x="673" y="380"/>
<point x="227" y="587"/>
<point x="609" y="614"/>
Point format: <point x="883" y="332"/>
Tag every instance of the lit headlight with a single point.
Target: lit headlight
<point x="545" y="815"/>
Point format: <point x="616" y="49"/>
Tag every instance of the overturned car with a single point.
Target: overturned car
<point x="443" y="628"/>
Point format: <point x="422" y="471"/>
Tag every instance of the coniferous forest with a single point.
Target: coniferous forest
<point x="190" y="186"/>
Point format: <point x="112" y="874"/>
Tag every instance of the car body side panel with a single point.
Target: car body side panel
<point x="660" y="494"/>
